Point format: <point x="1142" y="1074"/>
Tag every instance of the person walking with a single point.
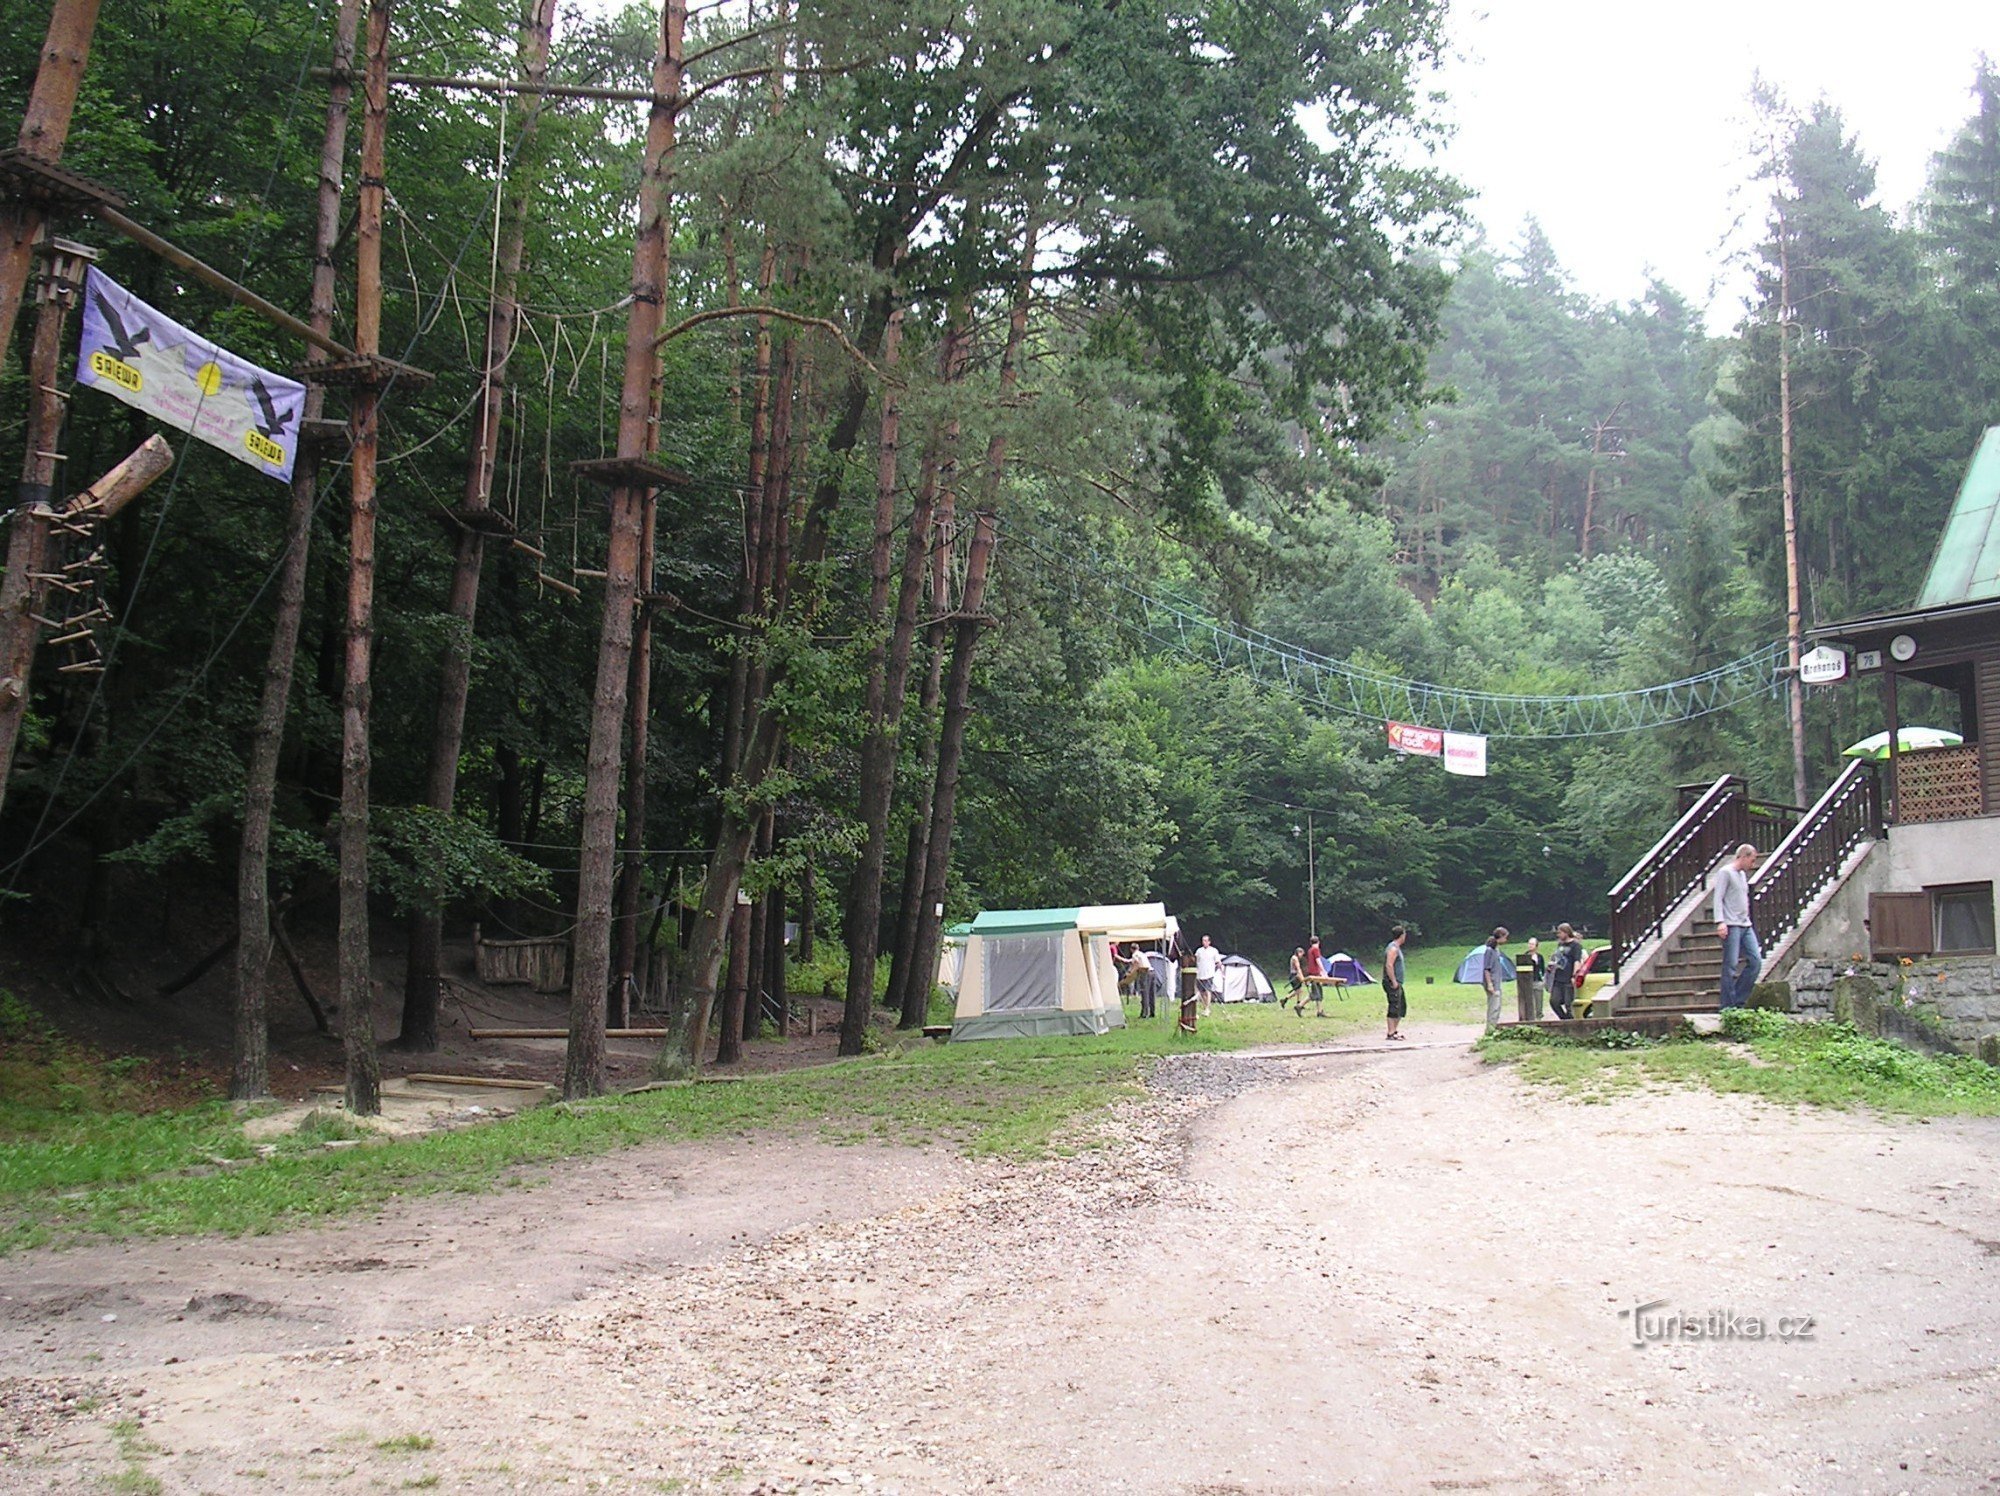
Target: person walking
<point x="1742" y="955"/>
<point x="1296" y="987"/>
<point x="1207" y="973"/>
<point x="1562" y="972"/>
<point x="1392" y="979"/>
<point x="1531" y="970"/>
<point x="1489" y="975"/>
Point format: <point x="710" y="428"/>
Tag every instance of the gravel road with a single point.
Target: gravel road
<point x="1394" y="1269"/>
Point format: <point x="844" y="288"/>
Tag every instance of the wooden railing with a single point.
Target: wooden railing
<point x="1938" y="784"/>
<point x="1719" y="818"/>
<point x="1807" y="860"/>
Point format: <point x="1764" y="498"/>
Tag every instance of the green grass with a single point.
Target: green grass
<point x="406" y="1443"/>
<point x="1779" y="1058"/>
<point x="1427" y="970"/>
<point x="82" y="1172"/>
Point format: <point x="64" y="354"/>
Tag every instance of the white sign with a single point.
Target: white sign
<point x="150" y="361"/>
<point x="1465" y="753"/>
<point x="1823" y="666"/>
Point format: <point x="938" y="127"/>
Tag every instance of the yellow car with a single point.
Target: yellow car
<point x="1590" y="983"/>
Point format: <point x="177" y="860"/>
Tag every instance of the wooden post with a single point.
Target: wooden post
<point x="44" y="132"/>
<point x="29" y="552"/>
<point x="249" y="1068"/>
<point x="590" y="972"/>
<point x="357" y="997"/>
<point x="423" y="970"/>
<point x="1795" y="688"/>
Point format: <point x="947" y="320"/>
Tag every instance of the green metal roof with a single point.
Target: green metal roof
<point x="1023" y="921"/>
<point x="1966" y="567"/>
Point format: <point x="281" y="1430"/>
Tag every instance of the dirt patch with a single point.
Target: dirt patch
<point x="1401" y="1270"/>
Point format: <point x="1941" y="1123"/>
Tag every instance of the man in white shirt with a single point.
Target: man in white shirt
<point x="1742" y="956"/>
<point x="1207" y="973"/>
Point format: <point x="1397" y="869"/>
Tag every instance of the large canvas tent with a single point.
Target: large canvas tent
<point x="1029" y="972"/>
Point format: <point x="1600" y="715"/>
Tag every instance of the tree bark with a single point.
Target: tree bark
<point x="638" y="716"/>
<point x="357" y="1005"/>
<point x="249" y="1075"/>
<point x="878" y="746"/>
<point x="951" y="743"/>
<point x="44" y="132"/>
<point x="423" y="968"/>
<point x="590" y="970"/>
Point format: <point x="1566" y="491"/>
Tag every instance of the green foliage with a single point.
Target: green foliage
<point x="424" y="859"/>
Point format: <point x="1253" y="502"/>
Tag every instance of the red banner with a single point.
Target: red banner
<point x="1427" y="741"/>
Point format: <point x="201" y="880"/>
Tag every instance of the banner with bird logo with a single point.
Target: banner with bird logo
<point x="150" y="361"/>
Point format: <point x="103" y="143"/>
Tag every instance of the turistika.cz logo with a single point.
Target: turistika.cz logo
<point x="1653" y="1323"/>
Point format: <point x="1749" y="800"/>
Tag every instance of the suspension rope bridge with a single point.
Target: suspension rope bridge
<point x="1181" y="626"/>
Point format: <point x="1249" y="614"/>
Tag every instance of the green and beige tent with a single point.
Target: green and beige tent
<point x="1032" y="972"/>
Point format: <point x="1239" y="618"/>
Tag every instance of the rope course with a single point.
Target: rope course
<point x="1175" y="623"/>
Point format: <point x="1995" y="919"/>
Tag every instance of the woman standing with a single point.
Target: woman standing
<point x="1562" y="971"/>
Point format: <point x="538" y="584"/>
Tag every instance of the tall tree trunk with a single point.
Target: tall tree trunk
<point x="774" y="959"/>
<point x="357" y="1000"/>
<point x="424" y="968"/>
<point x="44" y="132"/>
<point x="878" y="747"/>
<point x="638" y="716"/>
<point x="951" y="744"/>
<point x="249" y="1074"/>
<point x="902" y="976"/>
<point x="909" y="991"/>
<point x="590" y="970"/>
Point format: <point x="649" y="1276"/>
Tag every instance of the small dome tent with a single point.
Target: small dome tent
<point x="1243" y="981"/>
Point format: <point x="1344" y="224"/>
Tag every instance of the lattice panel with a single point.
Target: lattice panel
<point x="1938" y="784"/>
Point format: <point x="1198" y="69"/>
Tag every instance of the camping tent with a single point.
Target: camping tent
<point x="1347" y="968"/>
<point x="1475" y="962"/>
<point x="1243" y="981"/>
<point x="1028" y="972"/>
<point x="951" y="956"/>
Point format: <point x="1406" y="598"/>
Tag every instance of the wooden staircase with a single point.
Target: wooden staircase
<point x="1686" y="979"/>
<point x="1664" y="897"/>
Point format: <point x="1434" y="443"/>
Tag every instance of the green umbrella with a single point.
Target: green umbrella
<point x="1907" y="740"/>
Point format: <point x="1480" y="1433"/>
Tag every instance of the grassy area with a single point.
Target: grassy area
<point x="1428" y="969"/>
<point x="77" y="1160"/>
<point x="1819" y="1064"/>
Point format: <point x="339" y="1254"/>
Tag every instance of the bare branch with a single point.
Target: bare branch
<point x="716" y="314"/>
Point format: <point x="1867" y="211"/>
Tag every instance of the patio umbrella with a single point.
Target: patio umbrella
<point x="1907" y="740"/>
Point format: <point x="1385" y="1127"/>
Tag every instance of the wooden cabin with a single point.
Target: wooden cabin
<point x="1937" y="665"/>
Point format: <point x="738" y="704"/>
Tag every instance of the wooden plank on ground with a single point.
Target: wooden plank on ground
<point x="563" y="1033"/>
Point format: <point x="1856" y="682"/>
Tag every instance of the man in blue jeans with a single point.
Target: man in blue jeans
<point x="1742" y="956"/>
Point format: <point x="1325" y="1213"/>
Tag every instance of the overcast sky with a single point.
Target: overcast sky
<point x="1623" y="129"/>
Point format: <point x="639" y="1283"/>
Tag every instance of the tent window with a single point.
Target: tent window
<point x="1023" y="971"/>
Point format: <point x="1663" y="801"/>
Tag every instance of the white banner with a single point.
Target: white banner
<point x="150" y="361"/>
<point x="1465" y="753"/>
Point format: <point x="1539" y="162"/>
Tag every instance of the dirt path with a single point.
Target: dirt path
<point x="1395" y="1270"/>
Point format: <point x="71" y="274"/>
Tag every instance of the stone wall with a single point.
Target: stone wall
<point x="1952" y="1001"/>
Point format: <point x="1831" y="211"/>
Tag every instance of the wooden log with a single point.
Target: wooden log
<point x="563" y="1033"/>
<point x="493" y="1081"/>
